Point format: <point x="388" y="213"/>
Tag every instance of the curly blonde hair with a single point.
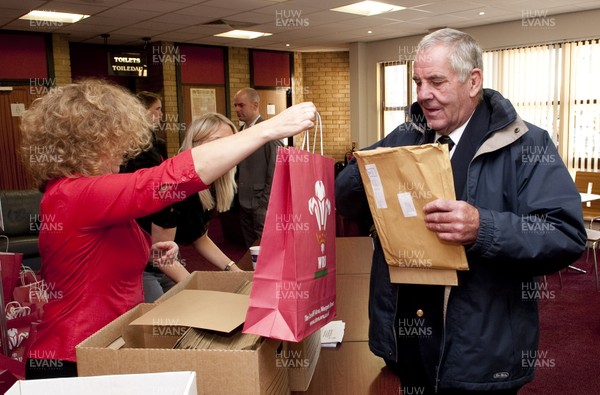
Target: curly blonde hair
<point x="81" y="129"/>
<point x="198" y="133"/>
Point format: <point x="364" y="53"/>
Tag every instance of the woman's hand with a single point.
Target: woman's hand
<point x="291" y="121"/>
<point x="164" y="253"/>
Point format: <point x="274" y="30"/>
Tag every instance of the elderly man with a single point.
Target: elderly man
<point x="255" y="173"/>
<point x="481" y="336"/>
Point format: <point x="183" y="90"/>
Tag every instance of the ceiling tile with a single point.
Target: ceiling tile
<point x="315" y="26"/>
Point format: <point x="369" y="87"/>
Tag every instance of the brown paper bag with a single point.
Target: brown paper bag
<point x="398" y="182"/>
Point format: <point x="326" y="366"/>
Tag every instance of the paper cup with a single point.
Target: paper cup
<point x="254" y="255"/>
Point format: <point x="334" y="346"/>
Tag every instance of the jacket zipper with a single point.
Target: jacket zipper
<point x="443" y="344"/>
<point x="395" y="324"/>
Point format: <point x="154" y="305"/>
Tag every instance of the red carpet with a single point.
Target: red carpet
<point x="569" y="350"/>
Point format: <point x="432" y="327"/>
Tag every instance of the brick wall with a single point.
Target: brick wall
<point x="298" y="89"/>
<point x="326" y="82"/>
<point x="62" y="59"/>
<point x="171" y="122"/>
<point x="239" y="75"/>
<point x="319" y="77"/>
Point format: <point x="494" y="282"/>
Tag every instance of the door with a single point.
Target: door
<point x="13" y="101"/>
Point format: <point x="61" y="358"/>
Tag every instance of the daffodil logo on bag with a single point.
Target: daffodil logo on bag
<point x="320" y="206"/>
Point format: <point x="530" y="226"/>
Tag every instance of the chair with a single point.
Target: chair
<point x="593" y="238"/>
<point x="589" y="182"/>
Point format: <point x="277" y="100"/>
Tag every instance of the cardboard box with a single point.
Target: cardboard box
<point x="122" y="348"/>
<point x="175" y="383"/>
<point x="354" y="255"/>
<point x="298" y="359"/>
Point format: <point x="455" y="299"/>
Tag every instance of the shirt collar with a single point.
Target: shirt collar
<point x="456" y="134"/>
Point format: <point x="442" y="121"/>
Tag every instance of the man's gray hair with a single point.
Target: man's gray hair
<point x="251" y="94"/>
<point x="465" y="53"/>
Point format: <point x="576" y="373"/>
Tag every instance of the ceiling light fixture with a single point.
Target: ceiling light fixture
<point x="51" y="16"/>
<point x="368" y="8"/>
<point x="243" y="34"/>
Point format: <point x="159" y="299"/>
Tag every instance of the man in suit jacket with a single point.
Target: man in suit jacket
<point x="255" y="173"/>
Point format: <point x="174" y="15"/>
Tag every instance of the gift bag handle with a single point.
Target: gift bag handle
<point x="318" y="130"/>
<point x="25" y="270"/>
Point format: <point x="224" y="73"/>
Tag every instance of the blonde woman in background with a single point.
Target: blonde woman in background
<point x="195" y="212"/>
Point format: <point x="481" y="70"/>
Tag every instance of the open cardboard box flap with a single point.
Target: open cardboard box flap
<point x="199" y="309"/>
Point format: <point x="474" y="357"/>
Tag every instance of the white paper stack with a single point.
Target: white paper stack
<point x="333" y="333"/>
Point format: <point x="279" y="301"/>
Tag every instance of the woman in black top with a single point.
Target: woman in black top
<point x="196" y="211"/>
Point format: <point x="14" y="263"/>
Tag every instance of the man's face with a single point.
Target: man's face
<point x="246" y="110"/>
<point x="447" y="103"/>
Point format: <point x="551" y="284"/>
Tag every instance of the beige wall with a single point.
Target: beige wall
<point x="365" y="58"/>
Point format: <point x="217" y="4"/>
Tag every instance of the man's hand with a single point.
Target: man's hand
<point x="454" y="221"/>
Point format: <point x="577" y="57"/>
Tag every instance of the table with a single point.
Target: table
<point x="585" y="198"/>
<point x="351" y="367"/>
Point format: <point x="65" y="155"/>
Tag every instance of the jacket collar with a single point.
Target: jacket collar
<point x="504" y="128"/>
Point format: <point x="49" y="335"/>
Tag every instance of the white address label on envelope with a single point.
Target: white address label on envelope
<point x="376" y="185"/>
<point x="407" y="205"/>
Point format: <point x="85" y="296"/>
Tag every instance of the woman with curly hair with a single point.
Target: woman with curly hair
<point x="94" y="260"/>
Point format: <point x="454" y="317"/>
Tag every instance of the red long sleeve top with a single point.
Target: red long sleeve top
<point x="93" y="252"/>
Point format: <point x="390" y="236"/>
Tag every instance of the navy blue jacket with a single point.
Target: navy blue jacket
<point x="483" y="335"/>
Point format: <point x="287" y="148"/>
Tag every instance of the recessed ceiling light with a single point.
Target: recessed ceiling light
<point x="51" y="16"/>
<point x="369" y="31"/>
<point x="287" y="45"/>
<point x="368" y="8"/>
<point x="243" y="34"/>
<point x="481" y="12"/>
